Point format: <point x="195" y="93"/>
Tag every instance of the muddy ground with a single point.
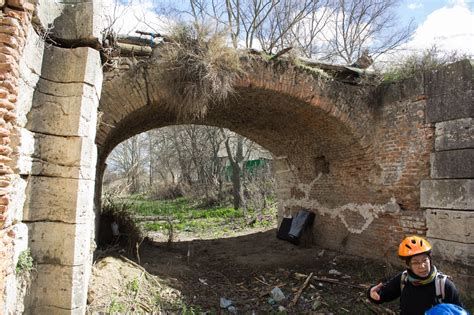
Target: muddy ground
<point x="243" y="270"/>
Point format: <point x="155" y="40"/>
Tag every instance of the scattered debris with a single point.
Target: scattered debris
<point x="335" y="281"/>
<point x="232" y="309"/>
<point x="317" y="303"/>
<point x="277" y="294"/>
<point x="230" y="277"/>
<point x="225" y="303"/>
<point x="305" y="284"/>
<point x="376" y="309"/>
<point x="334" y="272"/>
<point x="262" y="281"/>
<point x="281" y="53"/>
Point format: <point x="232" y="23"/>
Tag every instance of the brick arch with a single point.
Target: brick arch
<point x="318" y="127"/>
<point x="355" y="155"/>
<point x="269" y="97"/>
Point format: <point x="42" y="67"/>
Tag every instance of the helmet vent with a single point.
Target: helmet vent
<point x="408" y="246"/>
<point x="421" y="243"/>
<point x="413" y="241"/>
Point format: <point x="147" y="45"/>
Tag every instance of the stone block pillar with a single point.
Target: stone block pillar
<point x="448" y="196"/>
<point x="56" y="155"/>
<point x="61" y="159"/>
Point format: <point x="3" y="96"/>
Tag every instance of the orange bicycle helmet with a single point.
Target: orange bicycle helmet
<point x="413" y="245"/>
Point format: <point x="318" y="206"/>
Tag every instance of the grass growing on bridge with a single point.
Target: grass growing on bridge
<point x="198" y="69"/>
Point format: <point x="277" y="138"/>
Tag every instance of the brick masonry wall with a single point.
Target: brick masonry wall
<point x="354" y="155"/>
<point x="14" y="21"/>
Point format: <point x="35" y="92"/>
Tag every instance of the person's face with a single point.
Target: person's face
<point x="420" y="265"/>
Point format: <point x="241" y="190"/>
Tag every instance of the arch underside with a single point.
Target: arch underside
<point x="319" y="149"/>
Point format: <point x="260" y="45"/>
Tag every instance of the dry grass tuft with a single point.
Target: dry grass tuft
<point x="197" y="69"/>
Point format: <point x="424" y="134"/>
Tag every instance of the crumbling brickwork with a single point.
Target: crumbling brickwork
<point x="14" y="21"/>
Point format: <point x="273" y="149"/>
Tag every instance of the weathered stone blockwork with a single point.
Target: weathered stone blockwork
<point x="60" y="163"/>
<point x="53" y="157"/>
<point x="449" y="195"/>
<point x="14" y="23"/>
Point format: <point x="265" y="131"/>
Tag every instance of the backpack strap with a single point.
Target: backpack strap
<point x="403" y="281"/>
<point x="440" y="283"/>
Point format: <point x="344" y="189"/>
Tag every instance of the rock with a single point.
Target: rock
<point x="232" y="309"/>
<point x="316" y="304"/>
<point x="225" y="303"/>
<point x="281" y="308"/>
<point x="334" y="272"/>
<point x="277" y="294"/>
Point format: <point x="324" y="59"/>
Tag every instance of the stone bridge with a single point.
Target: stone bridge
<point x="374" y="163"/>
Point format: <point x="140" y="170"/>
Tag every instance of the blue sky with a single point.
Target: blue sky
<point x="419" y="10"/>
<point x="447" y="23"/>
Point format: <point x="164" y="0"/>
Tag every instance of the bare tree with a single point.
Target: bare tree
<point x="128" y="160"/>
<point x="236" y="159"/>
<point x="307" y="35"/>
<point x="328" y="29"/>
<point x="365" y="24"/>
<point x="250" y="20"/>
<point x="275" y="29"/>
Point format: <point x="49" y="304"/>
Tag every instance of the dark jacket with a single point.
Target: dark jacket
<point x="415" y="300"/>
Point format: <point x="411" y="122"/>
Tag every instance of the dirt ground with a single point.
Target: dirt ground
<point x="241" y="271"/>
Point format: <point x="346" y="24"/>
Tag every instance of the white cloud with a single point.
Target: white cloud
<point x="129" y="16"/>
<point x="450" y="28"/>
<point x="414" y="5"/>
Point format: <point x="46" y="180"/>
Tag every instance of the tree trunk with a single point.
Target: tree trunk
<point x="236" y="164"/>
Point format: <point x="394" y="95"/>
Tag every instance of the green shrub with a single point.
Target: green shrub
<point x="429" y="59"/>
<point x="122" y="213"/>
<point x="25" y="262"/>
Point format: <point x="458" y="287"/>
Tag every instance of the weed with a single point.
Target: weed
<point x="116" y="307"/>
<point x="186" y="217"/>
<point x="190" y="309"/>
<point x="429" y="59"/>
<point x="133" y="285"/>
<point x="25" y="262"/>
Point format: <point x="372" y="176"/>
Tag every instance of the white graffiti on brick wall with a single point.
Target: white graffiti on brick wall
<point x="368" y="212"/>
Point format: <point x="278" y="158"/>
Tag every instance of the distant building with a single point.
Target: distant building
<point x="255" y="156"/>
